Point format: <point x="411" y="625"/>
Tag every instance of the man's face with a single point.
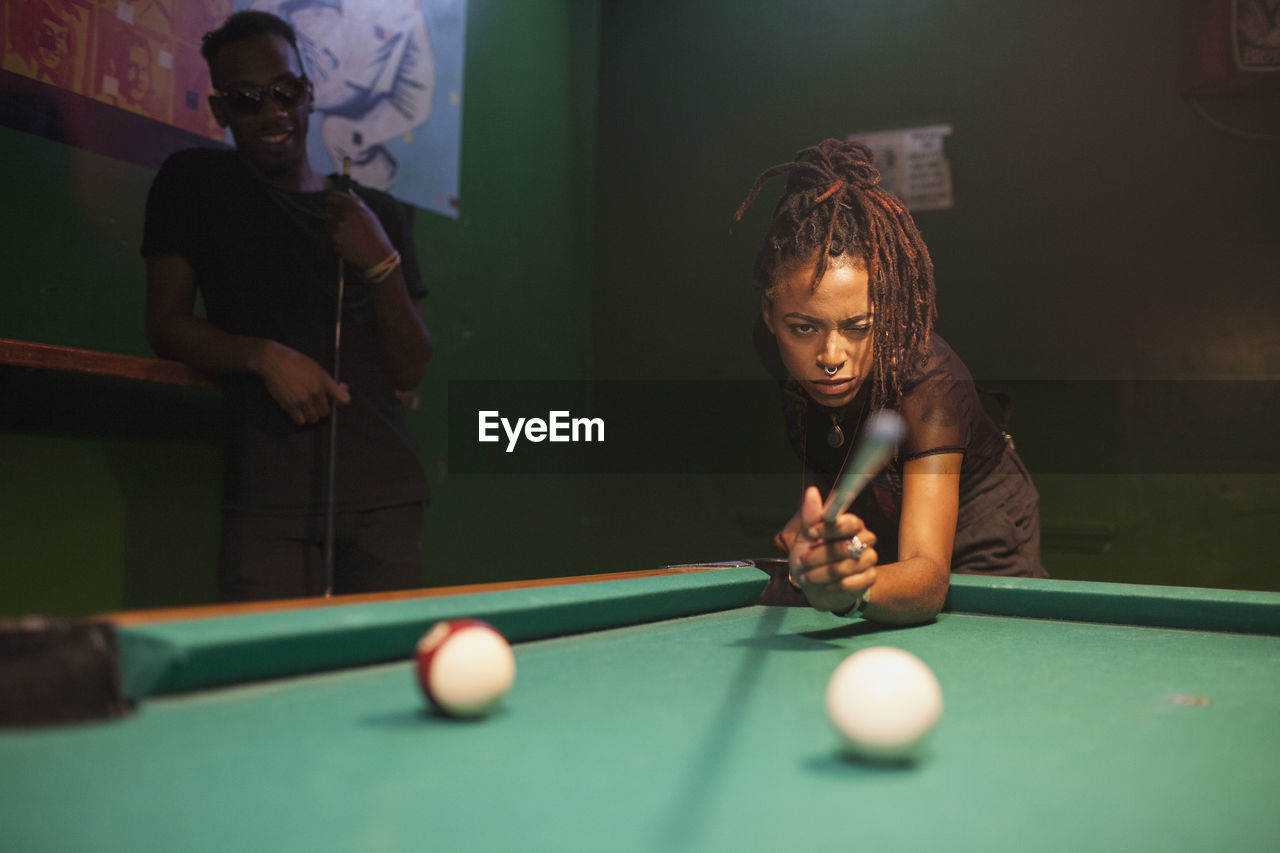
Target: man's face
<point x="273" y="137"/>
<point x="137" y="76"/>
<point x="54" y="43"/>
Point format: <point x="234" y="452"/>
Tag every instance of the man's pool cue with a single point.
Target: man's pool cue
<point x="344" y="184"/>
<point x="881" y="436"/>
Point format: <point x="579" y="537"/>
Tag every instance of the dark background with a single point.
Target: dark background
<point x="1106" y="226"/>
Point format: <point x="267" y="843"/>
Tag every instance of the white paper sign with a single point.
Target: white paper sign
<point x="912" y="164"/>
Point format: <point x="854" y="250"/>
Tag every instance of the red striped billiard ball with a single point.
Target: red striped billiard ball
<point x="465" y="667"/>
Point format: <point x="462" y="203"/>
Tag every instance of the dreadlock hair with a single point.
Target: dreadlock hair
<point x="246" y="24"/>
<point x="832" y="206"/>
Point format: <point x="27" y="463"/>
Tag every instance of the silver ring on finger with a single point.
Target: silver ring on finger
<point x="856" y="548"/>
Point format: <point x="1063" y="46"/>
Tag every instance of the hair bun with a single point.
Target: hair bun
<point x="849" y="161"/>
<point x="821" y="172"/>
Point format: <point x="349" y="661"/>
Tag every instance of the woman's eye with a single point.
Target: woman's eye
<point x="802" y="329"/>
<point x="858" y="329"/>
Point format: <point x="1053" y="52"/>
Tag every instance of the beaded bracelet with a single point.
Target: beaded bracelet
<point x="382" y="271"/>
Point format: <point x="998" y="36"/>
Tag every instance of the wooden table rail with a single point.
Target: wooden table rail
<point x="72" y="360"/>
<point x="99" y="363"/>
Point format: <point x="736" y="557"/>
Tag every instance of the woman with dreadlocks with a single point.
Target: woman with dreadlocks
<point x="846" y="326"/>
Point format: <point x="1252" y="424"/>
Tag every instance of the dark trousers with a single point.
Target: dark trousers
<point x="282" y="556"/>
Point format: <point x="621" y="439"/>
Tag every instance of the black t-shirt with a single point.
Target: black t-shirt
<point x="998" y="526"/>
<point x="265" y="268"/>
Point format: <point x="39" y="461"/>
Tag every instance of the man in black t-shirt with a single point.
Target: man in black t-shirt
<point x="260" y="237"/>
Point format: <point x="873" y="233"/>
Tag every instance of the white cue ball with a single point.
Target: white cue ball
<point x="883" y="701"/>
<point x="465" y="667"/>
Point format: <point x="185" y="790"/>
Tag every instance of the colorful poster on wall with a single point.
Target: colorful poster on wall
<point x="388" y="83"/>
<point x="49" y="40"/>
<point x="388" y="78"/>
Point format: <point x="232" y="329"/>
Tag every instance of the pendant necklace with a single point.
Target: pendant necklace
<point x="835" y="435"/>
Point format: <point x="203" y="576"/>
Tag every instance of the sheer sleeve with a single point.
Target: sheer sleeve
<point x="939" y="407"/>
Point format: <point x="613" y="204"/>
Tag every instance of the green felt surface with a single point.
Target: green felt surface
<point x="704" y="732"/>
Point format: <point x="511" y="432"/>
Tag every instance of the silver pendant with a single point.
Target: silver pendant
<point x="835" y="436"/>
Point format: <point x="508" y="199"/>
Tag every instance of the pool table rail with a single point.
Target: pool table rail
<point x="198" y="648"/>
<point x="172" y="651"/>
<point x="1235" y="611"/>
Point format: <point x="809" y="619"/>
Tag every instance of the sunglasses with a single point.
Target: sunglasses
<point x="247" y="100"/>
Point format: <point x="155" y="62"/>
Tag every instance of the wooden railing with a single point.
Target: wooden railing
<point x="72" y="360"/>
<point x="99" y="363"/>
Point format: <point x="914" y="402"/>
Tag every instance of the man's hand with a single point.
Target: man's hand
<point x="356" y="232"/>
<point x="303" y="388"/>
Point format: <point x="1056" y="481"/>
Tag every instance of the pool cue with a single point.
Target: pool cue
<point x="344" y="185"/>
<point x="885" y="429"/>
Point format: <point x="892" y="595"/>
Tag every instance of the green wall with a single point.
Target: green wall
<point x="1102" y="230"/>
<point x="110" y="487"/>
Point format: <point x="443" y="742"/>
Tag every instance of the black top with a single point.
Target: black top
<point x="998" y="527"/>
<point x="265" y="268"/>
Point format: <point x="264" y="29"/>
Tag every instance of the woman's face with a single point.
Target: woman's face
<point x="823" y="333"/>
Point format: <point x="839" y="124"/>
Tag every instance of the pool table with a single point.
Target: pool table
<point x="667" y="710"/>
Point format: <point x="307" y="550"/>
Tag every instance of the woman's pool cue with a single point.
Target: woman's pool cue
<point x="344" y="184"/>
<point x="881" y="436"/>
